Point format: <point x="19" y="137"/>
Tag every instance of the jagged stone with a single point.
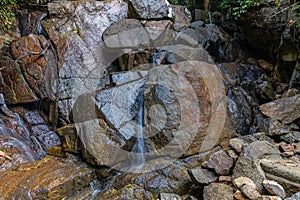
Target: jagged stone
<point x="274" y="188"/>
<point x="285" y="110"/>
<point x="182" y="17"/>
<point x="126" y="33"/>
<point x="151" y="9"/>
<point x="170" y="196"/>
<point x="237" y="144"/>
<point x="33" y="76"/>
<point x="284" y="171"/>
<point x="203" y="176"/>
<point x="247" y="186"/>
<point x="218" y="191"/>
<point x="51" y="178"/>
<point x="220" y="162"/>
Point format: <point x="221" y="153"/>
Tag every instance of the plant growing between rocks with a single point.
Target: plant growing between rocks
<point x="7" y="12"/>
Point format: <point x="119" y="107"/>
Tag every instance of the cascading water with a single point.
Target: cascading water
<point x="39" y="149"/>
<point x="138" y="160"/>
<point x="21" y="140"/>
<point x="210" y="18"/>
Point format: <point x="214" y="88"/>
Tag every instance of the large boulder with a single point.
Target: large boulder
<point x="248" y="164"/>
<point x="285" y="110"/>
<point x="33" y="75"/>
<point x="170" y="111"/>
<point x="126" y="33"/>
<point x="275" y="41"/>
<point x="78" y="26"/>
<point x="51" y="178"/>
<point x="150" y="9"/>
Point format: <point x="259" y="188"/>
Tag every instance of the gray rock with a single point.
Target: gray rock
<point x="218" y="191"/>
<point x="187" y="37"/>
<point x="126" y="33"/>
<point x="247" y="164"/>
<point x="160" y="32"/>
<point x="182" y="17"/>
<point x="186" y="53"/>
<point x="151" y="9"/>
<point x="197" y="24"/>
<point x="274" y="188"/>
<point x="220" y="162"/>
<point x="93" y="17"/>
<point x="117" y="109"/>
<point x="237" y="144"/>
<point x="81" y="31"/>
<point x="259" y="149"/>
<point x="170" y="196"/>
<point x="284" y="171"/>
<point x="285" y="110"/>
<point x="294" y="197"/>
<point x="267" y="197"/>
<point x="202" y="176"/>
<point x="61" y="9"/>
<point x="277" y="128"/>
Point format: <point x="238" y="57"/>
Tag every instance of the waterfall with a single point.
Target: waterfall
<point x="39" y="149"/>
<point x="138" y="160"/>
<point x="210" y="19"/>
<point x="19" y="140"/>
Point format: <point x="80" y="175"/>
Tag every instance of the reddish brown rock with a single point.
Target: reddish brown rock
<point x="33" y="73"/>
<point x="220" y="162"/>
<point x="51" y="178"/>
<point x="285" y="110"/>
<point x="286" y="147"/>
<point x="225" y="179"/>
<point x="238" y="195"/>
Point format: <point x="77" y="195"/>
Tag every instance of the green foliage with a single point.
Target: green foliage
<point x="187" y="3"/>
<point x="240" y="7"/>
<point x="7" y="12"/>
<point x="296" y="8"/>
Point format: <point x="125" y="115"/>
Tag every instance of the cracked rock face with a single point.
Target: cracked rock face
<point x="33" y="76"/>
<point x="151" y="9"/>
<point x="178" y="118"/>
<point x="78" y="27"/>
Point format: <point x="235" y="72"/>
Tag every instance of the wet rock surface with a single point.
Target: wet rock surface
<point x="32" y="75"/>
<point x="132" y="88"/>
<point x="151" y="9"/>
<point x="51" y="178"/>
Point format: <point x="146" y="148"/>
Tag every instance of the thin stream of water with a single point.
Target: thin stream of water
<point x="138" y="149"/>
<point x="210" y="18"/>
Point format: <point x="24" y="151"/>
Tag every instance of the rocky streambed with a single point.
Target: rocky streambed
<point x="115" y="100"/>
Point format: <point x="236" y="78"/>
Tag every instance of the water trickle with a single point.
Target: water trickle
<point x="210" y="18"/>
<point x="153" y="59"/>
<point x="221" y="52"/>
<point x="39" y="149"/>
<point x="19" y="141"/>
<point x="138" y="149"/>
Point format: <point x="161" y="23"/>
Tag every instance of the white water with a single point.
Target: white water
<point x="40" y="151"/>
<point x="210" y="19"/>
<point x="138" y="160"/>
